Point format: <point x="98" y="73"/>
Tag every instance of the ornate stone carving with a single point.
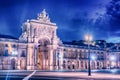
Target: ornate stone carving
<point x="23" y="37"/>
<point x="45" y="31"/>
<point x="25" y="31"/>
<point x="44" y="17"/>
<point x="42" y="27"/>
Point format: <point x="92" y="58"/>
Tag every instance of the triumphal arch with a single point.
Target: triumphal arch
<point x="39" y="48"/>
<point x="42" y="44"/>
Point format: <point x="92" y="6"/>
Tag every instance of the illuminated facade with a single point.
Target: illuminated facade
<point x="39" y="48"/>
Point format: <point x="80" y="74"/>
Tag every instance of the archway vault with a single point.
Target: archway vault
<point x="43" y="38"/>
<point x="43" y="54"/>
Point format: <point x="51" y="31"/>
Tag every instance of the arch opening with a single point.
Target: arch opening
<point x="43" y="54"/>
<point x="13" y="64"/>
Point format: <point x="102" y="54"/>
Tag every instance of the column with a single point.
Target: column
<point x="83" y="64"/>
<point x="29" y="57"/>
<point x="51" y="57"/>
<point x="56" y="60"/>
<point x="28" y="61"/>
<point x="43" y="59"/>
<point x="61" y="59"/>
<point x="79" y="65"/>
<point x="18" y="61"/>
<point x="35" y="57"/>
<point x="66" y="67"/>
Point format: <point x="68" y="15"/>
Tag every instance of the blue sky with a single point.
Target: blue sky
<point x="74" y="18"/>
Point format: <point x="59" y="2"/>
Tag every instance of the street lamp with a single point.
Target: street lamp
<point x="88" y="38"/>
<point x="113" y="60"/>
<point x="93" y="57"/>
<point x="59" y="58"/>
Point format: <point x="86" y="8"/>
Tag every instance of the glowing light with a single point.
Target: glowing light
<point x="112" y="58"/>
<point x="114" y="70"/>
<point x="113" y="63"/>
<point x="59" y="56"/>
<point x="88" y="38"/>
<point x="93" y="57"/>
<point x="93" y="43"/>
<point x="14" y="52"/>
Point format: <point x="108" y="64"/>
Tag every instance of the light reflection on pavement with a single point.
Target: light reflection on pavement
<point x="58" y="75"/>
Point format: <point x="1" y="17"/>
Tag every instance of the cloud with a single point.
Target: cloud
<point x="114" y="39"/>
<point x="113" y="10"/>
<point x="74" y="18"/>
<point x="108" y="24"/>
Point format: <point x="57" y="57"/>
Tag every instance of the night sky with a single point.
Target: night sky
<point x="74" y="18"/>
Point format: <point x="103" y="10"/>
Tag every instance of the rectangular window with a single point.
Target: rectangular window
<point x="6" y="53"/>
<point x="64" y="55"/>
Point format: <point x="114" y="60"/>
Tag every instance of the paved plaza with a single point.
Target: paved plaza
<point x="55" y="75"/>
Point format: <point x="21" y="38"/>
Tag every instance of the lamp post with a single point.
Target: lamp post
<point x="93" y="58"/>
<point x="88" y="38"/>
<point x="113" y="61"/>
<point x="59" y="58"/>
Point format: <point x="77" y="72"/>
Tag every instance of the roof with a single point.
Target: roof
<point x="8" y="37"/>
<point x="81" y="43"/>
<point x="98" y="44"/>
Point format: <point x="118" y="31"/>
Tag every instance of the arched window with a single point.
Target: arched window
<point x="14" y="46"/>
<point x="45" y="43"/>
<point x="64" y="49"/>
<point x="80" y="54"/>
<point x="82" y="64"/>
<point x="98" y="64"/>
<point x="23" y="54"/>
<point x="64" y="64"/>
<point x="6" y="45"/>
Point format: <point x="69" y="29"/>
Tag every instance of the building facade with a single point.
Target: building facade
<point x="39" y="48"/>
